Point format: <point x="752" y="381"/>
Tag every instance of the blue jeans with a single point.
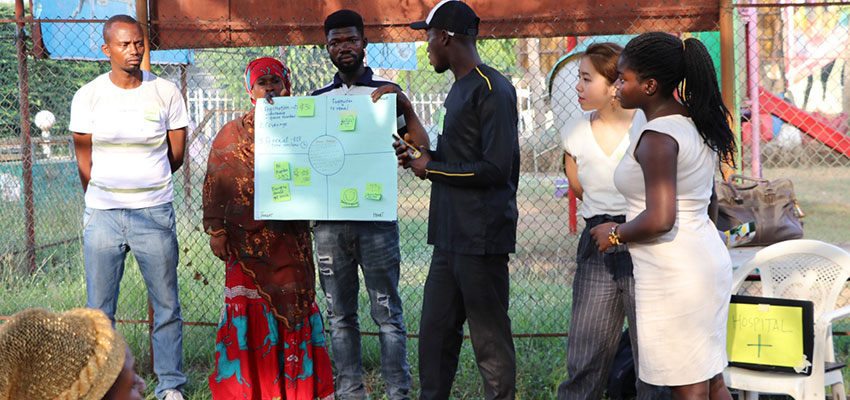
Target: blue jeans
<point x="152" y="235"/>
<point x="340" y="247"/>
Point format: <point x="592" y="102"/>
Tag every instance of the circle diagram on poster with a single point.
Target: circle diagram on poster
<point x="326" y="155"/>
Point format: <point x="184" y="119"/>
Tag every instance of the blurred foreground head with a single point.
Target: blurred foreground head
<point x="71" y="355"/>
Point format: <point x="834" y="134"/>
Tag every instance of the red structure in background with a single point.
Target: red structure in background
<point x="562" y="187"/>
<point x="805" y="122"/>
<point x="573" y="211"/>
<point x="766" y="128"/>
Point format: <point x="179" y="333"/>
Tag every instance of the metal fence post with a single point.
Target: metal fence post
<point x="727" y="78"/>
<point x="753" y="85"/>
<point x="23" y="98"/>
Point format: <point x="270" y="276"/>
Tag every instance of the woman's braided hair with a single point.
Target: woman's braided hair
<point x="686" y="67"/>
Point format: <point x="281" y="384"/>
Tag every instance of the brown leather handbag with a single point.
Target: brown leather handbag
<point x="771" y="204"/>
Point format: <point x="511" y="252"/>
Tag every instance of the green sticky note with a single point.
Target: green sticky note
<point x="347" y="121"/>
<point x="373" y="191"/>
<point x="306" y="107"/>
<point x="151" y="113"/>
<point x="282" y="172"/>
<point x="348" y="198"/>
<point x="280" y="192"/>
<point x="301" y="176"/>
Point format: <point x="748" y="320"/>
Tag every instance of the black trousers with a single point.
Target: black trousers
<point x="463" y="287"/>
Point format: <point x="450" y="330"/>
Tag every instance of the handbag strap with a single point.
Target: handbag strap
<point x="745" y="178"/>
<point x="768" y="189"/>
<point x="735" y="195"/>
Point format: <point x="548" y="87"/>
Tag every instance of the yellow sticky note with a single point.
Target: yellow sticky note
<point x="301" y="176"/>
<point x="347" y="121"/>
<point x="151" y="113"/>
<point x="280" y="192"/>
<point x="348" y="198"/>
<point x="282" y="172"/>
<point x="373" y="191"/>
<point x="306" y="107"/>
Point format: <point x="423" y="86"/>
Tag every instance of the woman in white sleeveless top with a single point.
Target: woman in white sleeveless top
<point x="683" y="275"/>
<point x="603" y="286"/>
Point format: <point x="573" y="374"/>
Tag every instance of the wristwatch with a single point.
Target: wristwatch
<point x="613" y="236"/>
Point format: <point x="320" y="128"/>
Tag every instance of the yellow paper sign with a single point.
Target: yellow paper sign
<point x="301" y="176"/>
<point x="770" y="335"/>
<point x="306" y="107"/>
<point x="347" y="121"/>
<point x="282" y="172"/>
<point x="373" y="191"/>
<point x="348" y="198"/>
<point x="280" y="192"/>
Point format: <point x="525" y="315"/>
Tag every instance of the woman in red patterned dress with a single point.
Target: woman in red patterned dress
<point x="270" y="342"/>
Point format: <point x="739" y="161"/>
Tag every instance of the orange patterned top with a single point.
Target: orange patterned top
<point x="276" y="254"/>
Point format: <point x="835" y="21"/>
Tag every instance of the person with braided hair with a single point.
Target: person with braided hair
<point x="682" y="270"/>
<point x="603" y="286"/>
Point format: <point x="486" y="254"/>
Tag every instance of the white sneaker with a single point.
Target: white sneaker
<point x="171" y="394"/>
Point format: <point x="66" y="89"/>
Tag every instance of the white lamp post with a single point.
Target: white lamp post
<point x="44" y="120"/>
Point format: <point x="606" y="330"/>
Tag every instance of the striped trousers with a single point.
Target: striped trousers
<point x="603" y="296"/>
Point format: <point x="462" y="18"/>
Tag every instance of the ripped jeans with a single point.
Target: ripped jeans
<point x="340" y="248"/>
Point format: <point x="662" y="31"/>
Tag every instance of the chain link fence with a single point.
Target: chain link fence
<point x="793" y="75"/>
<point x="801" y="76"/>
<point x="793" y="84"/>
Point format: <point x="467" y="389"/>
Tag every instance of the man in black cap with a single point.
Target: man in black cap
<point x="473" y="214"/>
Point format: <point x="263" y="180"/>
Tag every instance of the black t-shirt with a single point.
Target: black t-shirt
<point x="475" y="168"/>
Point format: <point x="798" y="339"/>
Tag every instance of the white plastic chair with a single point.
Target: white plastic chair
<point x="800" y="270"/>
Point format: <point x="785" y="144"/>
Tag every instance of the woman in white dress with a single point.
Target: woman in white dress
<point x="603" y="286"/>
<point x="683" y="275"/>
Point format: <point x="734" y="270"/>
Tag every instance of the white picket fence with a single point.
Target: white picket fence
<point x="426" y="106"/>
<point x="209" y="110"/>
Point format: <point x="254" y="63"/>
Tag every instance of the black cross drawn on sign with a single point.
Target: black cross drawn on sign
<point x="759" y="345"/>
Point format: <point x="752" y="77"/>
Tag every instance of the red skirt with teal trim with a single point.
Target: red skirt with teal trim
<point x="257" y="358"/>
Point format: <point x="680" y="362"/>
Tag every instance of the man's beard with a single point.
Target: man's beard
<point x="353" y="66"/>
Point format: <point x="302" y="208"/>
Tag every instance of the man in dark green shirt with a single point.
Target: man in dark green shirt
<point x="473" y="214"/>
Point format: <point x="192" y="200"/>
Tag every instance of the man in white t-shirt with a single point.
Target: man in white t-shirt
<point x="129" y="130"/>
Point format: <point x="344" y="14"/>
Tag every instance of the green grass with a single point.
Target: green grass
<point x="541" y="275"/>
<point x="62" y="289"/>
